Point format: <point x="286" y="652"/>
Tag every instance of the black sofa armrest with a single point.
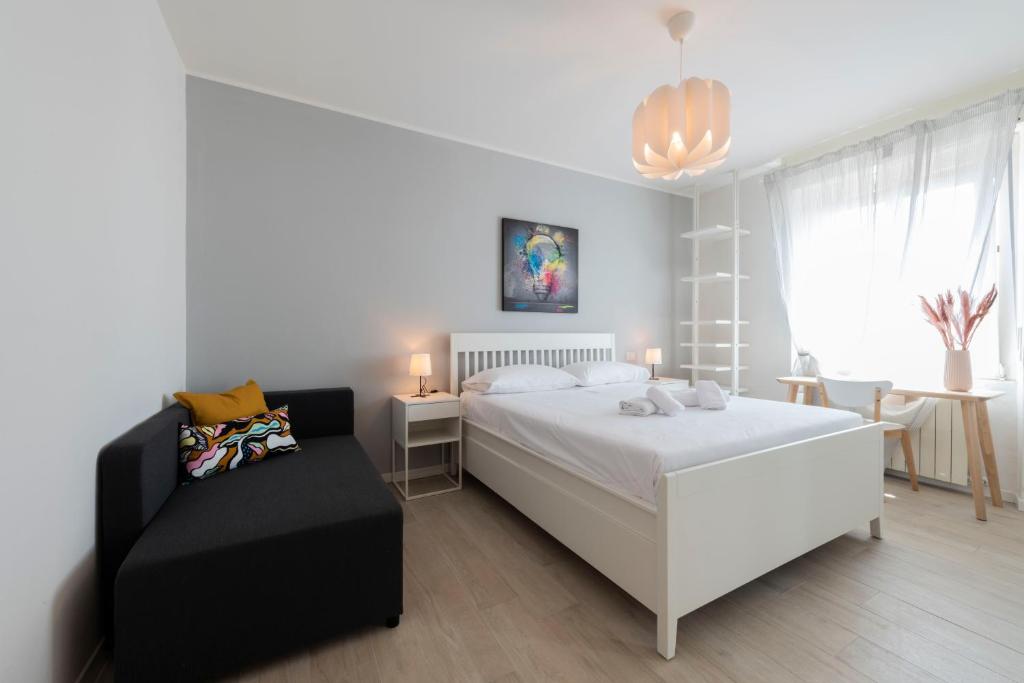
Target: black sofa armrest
<point x="136" y="472"/>
<point x="316" y="412"/>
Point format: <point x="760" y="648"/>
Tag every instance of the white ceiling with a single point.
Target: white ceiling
<point x="557" y="80"/>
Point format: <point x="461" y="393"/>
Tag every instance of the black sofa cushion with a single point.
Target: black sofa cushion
<point x="316" y="412"/>
<point x="266" y="560"/>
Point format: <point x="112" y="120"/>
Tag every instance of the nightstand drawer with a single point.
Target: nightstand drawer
<point x="433" y="411"/>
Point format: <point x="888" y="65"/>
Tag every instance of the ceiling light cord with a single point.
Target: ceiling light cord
<point x="680" y="61"/>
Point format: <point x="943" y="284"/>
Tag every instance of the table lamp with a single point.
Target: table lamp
<point x="419" y="365"/>
<point x="652" y="357"/>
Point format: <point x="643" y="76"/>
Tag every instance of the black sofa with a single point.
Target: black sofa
<point x="199" y="581"/>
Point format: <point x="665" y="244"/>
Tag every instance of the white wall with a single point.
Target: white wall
<point x="760" y="301"/>
<point x="92" y="209"/>
<point x="324" y="248"/>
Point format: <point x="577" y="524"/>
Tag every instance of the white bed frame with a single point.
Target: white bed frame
<point x="715" y="527"/>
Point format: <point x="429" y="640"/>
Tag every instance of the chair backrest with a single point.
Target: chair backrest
<point x="849" y="393"/>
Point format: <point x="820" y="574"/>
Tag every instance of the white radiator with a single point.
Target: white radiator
<point x="940" y="451"/>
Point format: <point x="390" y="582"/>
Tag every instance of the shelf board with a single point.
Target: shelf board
<point x="433" y="435"/>
<point x="711" y="322"/>
<point x="712" y="277"/>
<point x="714" y="345"/>
<point x="710" y="367"/>
<point x="715" y="232"/>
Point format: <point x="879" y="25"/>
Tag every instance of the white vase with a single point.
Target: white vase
<point x="958" y="370"/>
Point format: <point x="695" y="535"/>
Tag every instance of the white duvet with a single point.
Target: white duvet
<point x="581" y="428"/>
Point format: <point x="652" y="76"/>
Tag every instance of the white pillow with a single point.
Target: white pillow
<point x="514" y="379"/>
<point x="593" y="373"/>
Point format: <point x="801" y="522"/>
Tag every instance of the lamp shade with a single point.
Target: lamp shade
<point x="419" y="365"/>
<point x="652" y="357"/>
<point x="682" y="129"/>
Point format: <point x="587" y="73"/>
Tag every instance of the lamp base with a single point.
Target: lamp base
<point x="423" y="389"/>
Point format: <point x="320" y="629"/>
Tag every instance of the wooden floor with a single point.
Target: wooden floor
<point x="491" y="597"/>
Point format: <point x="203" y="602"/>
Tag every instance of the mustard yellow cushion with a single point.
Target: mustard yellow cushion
<point x="212" y="409"/>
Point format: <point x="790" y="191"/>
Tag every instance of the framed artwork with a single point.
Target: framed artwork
<point x="539" y="267"/>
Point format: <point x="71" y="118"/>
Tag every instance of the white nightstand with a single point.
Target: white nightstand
<point x="662" y="381"/>
<point x="435" y="419"/>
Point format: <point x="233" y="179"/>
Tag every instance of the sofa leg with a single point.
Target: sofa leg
<point x="392" y="622"/>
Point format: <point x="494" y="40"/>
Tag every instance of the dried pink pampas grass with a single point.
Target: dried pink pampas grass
<point x="957" y="318"/>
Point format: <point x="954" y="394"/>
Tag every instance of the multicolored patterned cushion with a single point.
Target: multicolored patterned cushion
<point x="206" y="450"/>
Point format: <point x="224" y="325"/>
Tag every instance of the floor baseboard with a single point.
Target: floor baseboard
<point x="1008" y="496"/>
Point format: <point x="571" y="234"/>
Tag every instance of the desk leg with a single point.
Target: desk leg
<point x="988" y="454"/>
<point x="974" y="457"/>
<point x="793" y="389"/>
<point x="808" y="395"/>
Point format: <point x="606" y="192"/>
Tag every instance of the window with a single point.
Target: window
<point x="862" y="232"/>
<point x="1007" y="227"/>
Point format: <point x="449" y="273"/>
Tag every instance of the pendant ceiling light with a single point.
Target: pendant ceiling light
<point x="681" y="129"/>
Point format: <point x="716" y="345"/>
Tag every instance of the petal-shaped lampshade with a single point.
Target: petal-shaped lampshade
<point x="682" y="129"/>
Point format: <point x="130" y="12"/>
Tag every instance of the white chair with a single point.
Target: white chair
<point x="865" y="397"/>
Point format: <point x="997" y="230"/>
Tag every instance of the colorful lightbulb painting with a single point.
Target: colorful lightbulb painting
<point x="539" y="267"/>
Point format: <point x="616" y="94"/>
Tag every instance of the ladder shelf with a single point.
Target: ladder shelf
<point x="713" y="345"/>
<point x="710" y="367"/>
<point x="708" y="278"/>
<point x="714" y="233"/>
<point x="697" y="236"/>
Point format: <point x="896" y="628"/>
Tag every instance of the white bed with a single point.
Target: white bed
<point x="582" y="429"/>
<point x="712" y="527"/>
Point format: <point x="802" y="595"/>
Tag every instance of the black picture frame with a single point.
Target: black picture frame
<point x="539" y="267"/>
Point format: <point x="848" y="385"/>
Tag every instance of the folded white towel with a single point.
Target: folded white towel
<point x="687" y="396"/>
<point x="665" y="402"/>
<point x="638" y="407"/>
<point x="710" y="395"/>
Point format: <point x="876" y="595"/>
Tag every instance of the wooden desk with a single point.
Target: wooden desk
<point x="977" y="431"/>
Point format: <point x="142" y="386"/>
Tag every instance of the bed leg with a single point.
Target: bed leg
<point x="876" y="527"/>
<point x="667" y="636"/>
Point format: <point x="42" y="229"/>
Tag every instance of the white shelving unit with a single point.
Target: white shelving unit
<point x="715" y="232"/>
<point x="714" y="345"/>
<point x="710" y="367"/>
<point x="713" y="277"/>
<point x="697" y="279"/>
<point x="712" y="322"/>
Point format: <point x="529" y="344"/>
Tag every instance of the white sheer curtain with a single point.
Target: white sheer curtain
<point x="1015" y="193"/>
<point x="860" y="232"/>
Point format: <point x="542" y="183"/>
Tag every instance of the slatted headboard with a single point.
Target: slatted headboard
<point x="472" y="352"/>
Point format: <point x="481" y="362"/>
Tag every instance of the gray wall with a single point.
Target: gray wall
<point x="92" y="214"/>
<point x="324" y="248"/>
